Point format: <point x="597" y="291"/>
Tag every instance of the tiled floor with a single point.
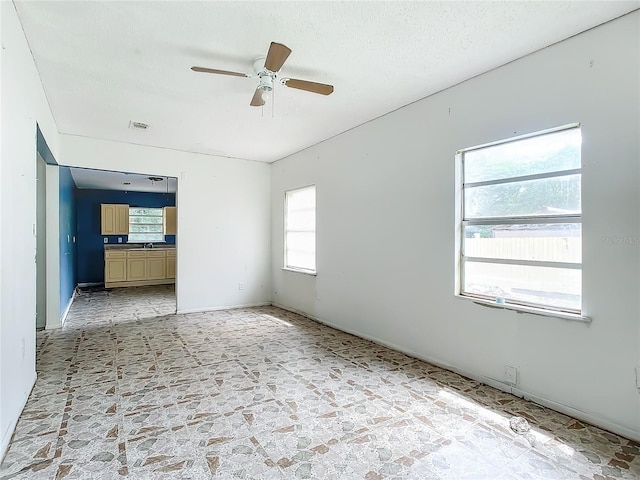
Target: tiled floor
<point x="129" y="390"/>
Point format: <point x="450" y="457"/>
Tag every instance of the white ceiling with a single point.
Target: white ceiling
<point x="105" y="63"/>
<point x="131" y="182"/>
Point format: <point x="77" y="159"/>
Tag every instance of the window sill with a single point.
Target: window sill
<point x="144" y="243"/>
<point x="524" y="309"/>
<point x="298" y="270"/>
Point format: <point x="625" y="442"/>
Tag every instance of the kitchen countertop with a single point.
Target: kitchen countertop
<point x="137" y="246"/>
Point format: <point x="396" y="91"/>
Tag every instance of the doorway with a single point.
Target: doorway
<point x="143" y="200"/>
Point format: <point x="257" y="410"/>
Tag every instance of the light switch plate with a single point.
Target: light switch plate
<point x="106" y="240"/>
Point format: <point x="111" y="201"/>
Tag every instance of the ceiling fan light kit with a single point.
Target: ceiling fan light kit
<point x="266" y="69"/>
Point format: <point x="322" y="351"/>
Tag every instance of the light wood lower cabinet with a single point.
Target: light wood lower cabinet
<point x="139" y="267"/>
<point x="171" y="264"/>
<point x="136" y="265"/>
<point x="156" y="265"/>
<point x="115" y="267"/>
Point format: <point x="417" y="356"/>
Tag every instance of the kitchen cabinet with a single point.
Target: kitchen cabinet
<point x="115" y="267"/>
<point x="171" y="264"/>
<point x="114" y="219"/>
<point x="169" y="226"/>
<point x="126" y="266"/>
<point x="156" y="265"/>
<point x="136" y="265"/>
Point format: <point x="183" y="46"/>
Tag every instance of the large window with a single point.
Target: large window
<point x="145" y="225"/>
<point x="300" y="229"/>
<point x="521" y="231"/>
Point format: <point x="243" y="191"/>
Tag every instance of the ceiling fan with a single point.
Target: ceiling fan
<point x="266" y="70"/>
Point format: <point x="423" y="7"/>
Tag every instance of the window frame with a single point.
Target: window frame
<point x="286" y="265"/>
<point x="142" y="233"/>
<point x="552" y="218"/>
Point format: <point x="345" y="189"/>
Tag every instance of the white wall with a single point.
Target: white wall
<point x="223" y="219"/>
<point x="223" y="237"/>
<point x="386" y="227"/>
<point x="41" y="249"/>
<point x="23" y="105"/>
<point x="54" y="314"/>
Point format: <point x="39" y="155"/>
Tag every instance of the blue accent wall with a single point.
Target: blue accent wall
<point x="90" y="246"/>
<point x="67" y="192"/>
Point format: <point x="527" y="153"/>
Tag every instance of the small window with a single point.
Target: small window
<point x="300" y="229"/>
<point x="521" y="230"/>
<point x="145" y="225"/>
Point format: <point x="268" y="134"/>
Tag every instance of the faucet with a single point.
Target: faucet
<point x="148" y="245"/>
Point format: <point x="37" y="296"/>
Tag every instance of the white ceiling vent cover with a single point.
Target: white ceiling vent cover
<point x="138" y="125"/>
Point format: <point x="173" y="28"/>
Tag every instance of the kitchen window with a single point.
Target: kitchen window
<point x="520" y="237"/>
<point x="145" y="225"/>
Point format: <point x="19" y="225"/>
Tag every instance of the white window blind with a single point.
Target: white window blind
<point x="300" y="229"/>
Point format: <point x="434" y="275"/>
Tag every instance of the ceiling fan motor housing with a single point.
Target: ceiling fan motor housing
<point x="266" y="83"/>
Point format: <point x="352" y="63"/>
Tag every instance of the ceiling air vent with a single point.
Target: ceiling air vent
<point x="138" y="125"/>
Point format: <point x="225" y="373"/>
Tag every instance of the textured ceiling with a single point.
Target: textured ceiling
<point x="105" y="63"/>
<point x="130" y="182"/>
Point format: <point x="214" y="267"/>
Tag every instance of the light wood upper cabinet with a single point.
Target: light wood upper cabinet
<point x="169" y="220"/>
<point x="114" y="219"/>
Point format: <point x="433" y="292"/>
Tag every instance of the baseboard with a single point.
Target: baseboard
<point x="90" y="284"/>
<point x="66" y="310"/>
<point x="223" y="307"/>
<point x="580" y="415"/>
<point x="492" y="382"/>
<point x="63" y="317"/>
<point x="8" y="433"/>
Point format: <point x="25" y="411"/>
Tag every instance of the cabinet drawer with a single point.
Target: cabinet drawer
<point x="108" y="254"/>
<point x="157" y="253"/>
<point x="171" y="253"/>
<point x="136" y="254"/>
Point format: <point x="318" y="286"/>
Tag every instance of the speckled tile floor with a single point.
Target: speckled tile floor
<point x="129" y="390"/>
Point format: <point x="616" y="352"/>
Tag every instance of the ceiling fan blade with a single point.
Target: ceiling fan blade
<point x="221" y="72"/>
<point x="276" y="57"/>
<point x="257" y="100"/>
<point x="313" y="87"/>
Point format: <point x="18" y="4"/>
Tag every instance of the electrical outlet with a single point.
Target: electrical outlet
<point x="638" y="378"/>
<point x="106" y="240"/>
<point x="511" y="374"/>
<point x="23" y="347"/>
<point x="119" y="239"/>
<point x="240" y="286"/>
